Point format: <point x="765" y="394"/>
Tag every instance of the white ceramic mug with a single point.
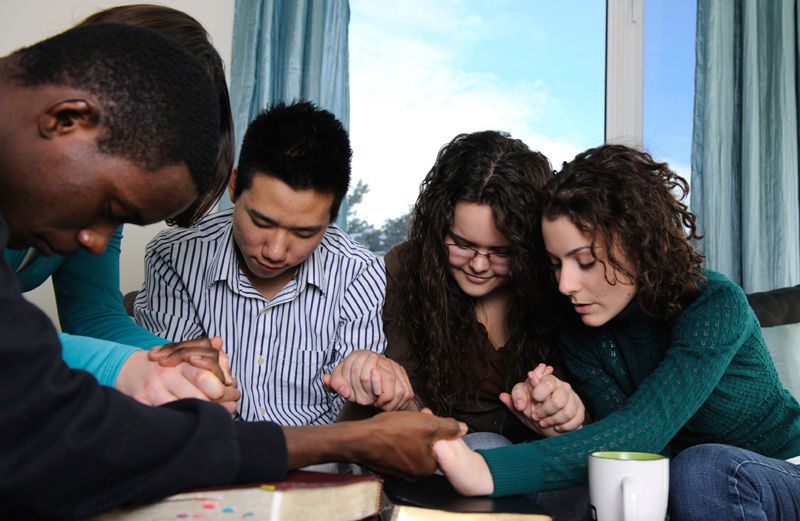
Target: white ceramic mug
<point x="628" y="486"/>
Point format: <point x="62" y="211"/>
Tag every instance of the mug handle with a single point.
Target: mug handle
<point x="630" y="498"/>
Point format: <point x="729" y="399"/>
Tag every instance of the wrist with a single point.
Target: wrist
<point x="128" y="371"/>
<point x="337" y="442"/>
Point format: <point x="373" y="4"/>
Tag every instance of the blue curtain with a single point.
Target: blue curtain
<point x="289" y="49"/>
<point x="745" y="142"/>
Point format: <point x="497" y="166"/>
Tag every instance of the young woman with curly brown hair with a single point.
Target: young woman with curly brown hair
<point x="465" y="313"/>
<point x="668" y="357"/>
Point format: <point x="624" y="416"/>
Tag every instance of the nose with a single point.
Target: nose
<point x="276" y="245"/>
<point x="96" y="238"/>
<point x="568" y="280"/>
<point x="479" y="263"/>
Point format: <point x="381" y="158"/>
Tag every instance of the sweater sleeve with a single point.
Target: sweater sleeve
<point x="704" y="341"/>
<point x="101" y="358"/>
<point x="89" y="299"/>
<point x="73" y="448"/>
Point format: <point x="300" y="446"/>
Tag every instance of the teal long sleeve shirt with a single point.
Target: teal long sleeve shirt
<point x="99" y="336"/>
<point x="706" y="379"/>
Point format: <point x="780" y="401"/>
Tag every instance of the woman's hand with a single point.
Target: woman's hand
<point x="193" y="369"/>
<point x="466" y="470"/>
<point x="545" y="403"/>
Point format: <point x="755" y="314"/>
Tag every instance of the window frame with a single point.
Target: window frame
<point x="624" y="72"/>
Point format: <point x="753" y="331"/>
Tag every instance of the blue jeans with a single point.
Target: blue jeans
<point x="715" y="482"/>
<point x="570" y="504"/>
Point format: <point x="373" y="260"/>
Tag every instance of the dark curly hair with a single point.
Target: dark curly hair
<point x="623" y="198"/>
<point x="192" y="35"/>
<point x="488" y="168"/>
<point x="301" y="144"/>
<point x="159" y="107"/>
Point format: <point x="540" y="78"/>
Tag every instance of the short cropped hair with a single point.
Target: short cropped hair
<point x="300" y="144"/>
<point x="158" y="105"/>
<point x="192" y="35"/>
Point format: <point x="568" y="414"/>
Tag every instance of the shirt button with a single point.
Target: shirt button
<point x="262" y="411"/>
<point x="260" y="360"/>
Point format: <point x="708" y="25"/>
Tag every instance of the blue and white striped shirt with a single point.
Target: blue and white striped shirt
<point x="280" y="348"/>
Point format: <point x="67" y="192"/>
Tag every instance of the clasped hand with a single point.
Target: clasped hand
<point x="191" y="369"/>
<point x="368" y="378"/>
<point x="545" y="403"/>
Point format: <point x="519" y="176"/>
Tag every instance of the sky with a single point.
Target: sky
<point x="423" y="71"/>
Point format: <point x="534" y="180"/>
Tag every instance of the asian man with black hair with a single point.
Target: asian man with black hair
<point x="296" y="301"/>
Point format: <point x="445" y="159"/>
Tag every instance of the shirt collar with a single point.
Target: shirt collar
<point x="225" y="267"/>
<point x="310" y="270"/>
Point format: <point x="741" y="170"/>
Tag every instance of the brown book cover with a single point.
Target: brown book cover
<point x="302" y="495"/>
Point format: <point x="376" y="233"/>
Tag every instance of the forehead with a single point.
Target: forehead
<point x="275" y="199"/>
<point x="475" y="222"/>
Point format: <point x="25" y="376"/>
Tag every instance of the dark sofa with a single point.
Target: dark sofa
<point x="776" y="307"/>
<point x="778" y="311"/>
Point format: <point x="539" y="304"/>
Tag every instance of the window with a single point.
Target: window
<point x="423" y="71"/>
<point x="669" y="62"/>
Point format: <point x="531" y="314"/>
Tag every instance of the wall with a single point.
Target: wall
<point x="23" y="22"/>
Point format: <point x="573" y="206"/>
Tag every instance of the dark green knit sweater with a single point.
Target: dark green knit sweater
<point x="708" y="378"/>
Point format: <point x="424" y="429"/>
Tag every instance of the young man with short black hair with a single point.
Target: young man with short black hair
<point x="291" y="295"/>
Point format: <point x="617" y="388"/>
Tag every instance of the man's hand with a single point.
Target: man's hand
<point x="204" y="353"/>
<point x="466" y="470"/>
<point x="152" y="384"/>
<point x="394" y="443"/>
<point x="545" y="403"/>
<point x="367" y="378"/>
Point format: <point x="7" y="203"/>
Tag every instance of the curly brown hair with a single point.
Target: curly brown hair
<point x="625" y="199"/>
<point x="487" y="168"/>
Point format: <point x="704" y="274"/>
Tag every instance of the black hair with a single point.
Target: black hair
<point x="192" y="35"/>
<point x="158" y="105"/>
<point x="300" y="144"/>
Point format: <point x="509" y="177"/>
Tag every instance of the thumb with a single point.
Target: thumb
<point x="507" y="401"/>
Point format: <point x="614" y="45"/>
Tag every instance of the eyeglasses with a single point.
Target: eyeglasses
<point x="467" y="253"/>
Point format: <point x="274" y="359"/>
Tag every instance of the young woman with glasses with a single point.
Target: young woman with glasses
<point x="465" y="311"/>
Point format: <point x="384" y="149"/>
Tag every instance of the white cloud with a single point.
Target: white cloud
<point x="408" y="98"/>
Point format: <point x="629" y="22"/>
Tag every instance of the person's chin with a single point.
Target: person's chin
<point x="594" y="319"/>
<point x="476" y="290"/>
<point x="44" y="247"/>
<point x="267" y="272"/>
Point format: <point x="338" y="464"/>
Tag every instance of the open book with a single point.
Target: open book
<point x="434" y="499"/>
<point x="302" y="495"/>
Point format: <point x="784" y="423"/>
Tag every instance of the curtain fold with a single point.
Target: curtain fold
<point x="290" y="49"/>
<point x="745" y="141"/>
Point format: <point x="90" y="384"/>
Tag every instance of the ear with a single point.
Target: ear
<point x="67" y="116"/>
<point x="232" y="185"/>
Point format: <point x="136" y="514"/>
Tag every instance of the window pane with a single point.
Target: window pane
<point x="422" y="72"/>
<point x="669" y="60"/>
